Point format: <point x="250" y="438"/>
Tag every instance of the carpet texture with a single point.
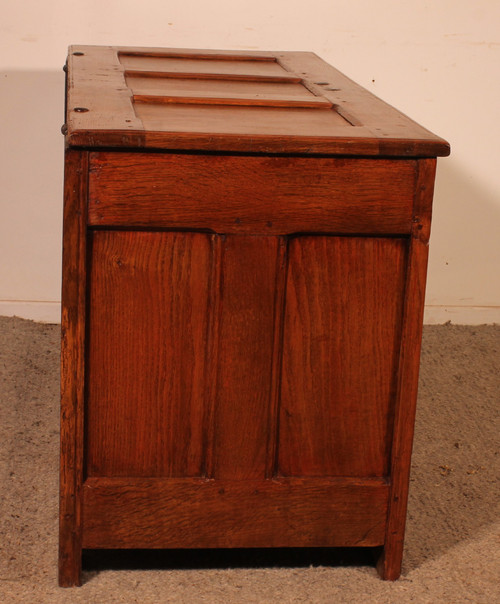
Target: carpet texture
<point x="452" y="549"/>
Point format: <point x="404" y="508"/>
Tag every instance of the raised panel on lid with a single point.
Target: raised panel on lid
<point x="141" y="84"/>
<point x="209" y="81"/>
<point x="181" y="99"/>
<point x="222" y="92"/>
<point x="204" y="65"/>
<point x="276" y="121"/>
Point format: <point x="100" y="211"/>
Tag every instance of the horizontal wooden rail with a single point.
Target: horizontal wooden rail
<point x="186" y="513"/>
<point x="258" y="195"/>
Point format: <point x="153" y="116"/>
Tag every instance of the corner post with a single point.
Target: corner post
<point x="72" y="365"/>
<point x="389" y="562"/>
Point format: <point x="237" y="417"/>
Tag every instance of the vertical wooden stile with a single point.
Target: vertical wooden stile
<point x="212" y="351"/>
<point x="244" y="357"/>
<point x="389" y="563"/>
<point x="276" y="366"/>
<point x="72" y="366"/>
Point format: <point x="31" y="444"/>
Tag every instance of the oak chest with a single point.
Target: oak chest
<point x="245" y="249"/>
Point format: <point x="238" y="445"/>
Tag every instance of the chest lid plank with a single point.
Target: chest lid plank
<point x="267" y="102"/>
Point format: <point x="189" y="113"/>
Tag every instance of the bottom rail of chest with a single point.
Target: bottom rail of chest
<point x="197" y="513"/>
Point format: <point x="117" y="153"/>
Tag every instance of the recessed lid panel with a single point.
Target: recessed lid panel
<point x="227" y="101"/>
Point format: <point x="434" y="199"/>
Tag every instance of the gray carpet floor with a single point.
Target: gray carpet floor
<point x="452" y="550"/>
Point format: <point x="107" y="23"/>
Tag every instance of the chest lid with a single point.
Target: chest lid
<point x="234" y="101"/>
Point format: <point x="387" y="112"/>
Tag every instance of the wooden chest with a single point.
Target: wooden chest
<point x="245" y="249"/>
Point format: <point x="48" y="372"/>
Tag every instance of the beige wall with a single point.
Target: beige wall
<point x="436" y="61"/>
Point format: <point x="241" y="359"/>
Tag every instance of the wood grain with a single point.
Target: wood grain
<point x="197" y="53"/>
<point x="218" y="88"/>
<point x="146" y="362"/>
<point x="343" y="313"/>
<point x="165" y="63"/>
<point x="120" y="513"/>
<point x="286" y="118"/>
<point x="396" y="133"/>
<point x="90" y="72"/>
<point x="257" y="195"/>
<point x="424" y="192"/>
<point x="72" y="367"/>
<point x="245" y="248"/>
<point x="239" y="100"/>
<point x="98" y="83"/>
<point x="277" y="359"/>
<point x="389" y="563"/>
<point x="244" y="359"/>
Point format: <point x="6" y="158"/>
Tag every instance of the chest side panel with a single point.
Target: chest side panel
<point x="148" y="304"/>
<point x="342" y="329"/>
<point x="250" y="364"/>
